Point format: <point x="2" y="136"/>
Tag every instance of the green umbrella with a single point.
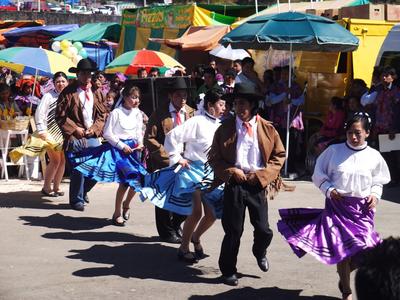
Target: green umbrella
<point x="294" y="32"/>
<point x="291" y="30"/>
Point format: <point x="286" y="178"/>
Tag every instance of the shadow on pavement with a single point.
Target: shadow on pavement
<point x="273" y="293"/>
<point x="391" y="194"/>
<point x="144" y="261"/>
<point x="100" y="237"/>
<point x="66" y="222"/>
<point x="35" y="200"/>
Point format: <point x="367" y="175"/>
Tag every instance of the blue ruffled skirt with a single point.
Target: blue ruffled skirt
<point x="173" y="191"/>
<point x="106" y="163"/>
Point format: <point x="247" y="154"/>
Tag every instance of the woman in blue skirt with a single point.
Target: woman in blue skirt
<point x="182" y="187"/>
<point x="118" y="160"/>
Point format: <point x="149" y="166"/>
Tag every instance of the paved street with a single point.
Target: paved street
<point x="51" y="252"/>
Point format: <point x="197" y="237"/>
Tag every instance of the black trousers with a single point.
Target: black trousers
<point x="167" y="222"/>
<point x="236" y="198"/>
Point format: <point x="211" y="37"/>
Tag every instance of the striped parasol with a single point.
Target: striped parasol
<point x="35" y="61"/>
<point x="129" y="62"/>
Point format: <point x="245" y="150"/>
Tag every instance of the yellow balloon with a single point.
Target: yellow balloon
<point x="64" y="45"/>
<point x="67" y="53"/>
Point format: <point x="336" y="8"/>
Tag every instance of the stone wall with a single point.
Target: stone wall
<point x="52" y="18"/>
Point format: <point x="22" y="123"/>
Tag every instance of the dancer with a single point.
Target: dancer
<point x="49" y="130"/>
<point x="81" y="115"/>
<point x="166" y="117"/>
<point x="186" y="185"/>
<point x="351" y="176"/>
<point x="247" y="154"/>
<point x="119" y="159"/>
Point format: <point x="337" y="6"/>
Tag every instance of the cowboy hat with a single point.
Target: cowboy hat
<point x="176" y="83"/>
<point x="85" y="64"/>
<point x="243" y="90"/>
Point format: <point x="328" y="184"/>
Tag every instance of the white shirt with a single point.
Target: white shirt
<point x="196" y="133"/>
<point x="123" y="124"/>
<point x="172" y="111"/>
<point x="248" y="155"/>
<point x="48" y="103"/>
<point x="87" y="107"/>
<point x="357" y="172"/>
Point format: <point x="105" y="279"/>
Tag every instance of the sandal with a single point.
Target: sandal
<point x="187" y="257"/>
<point x="198" y="250"/>
<point x="49" y="194"/>
<point x="116" y="222"/>
<point x="126" y="213"/>
<point x="59" y="193"/>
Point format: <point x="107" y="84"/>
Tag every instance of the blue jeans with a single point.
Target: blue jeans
<point x="80" y="185"/>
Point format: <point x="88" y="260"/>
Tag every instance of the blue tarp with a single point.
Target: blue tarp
<point x="6" y="3"/>
<point x="102" y="54"/>
<point x="50" y="30"/>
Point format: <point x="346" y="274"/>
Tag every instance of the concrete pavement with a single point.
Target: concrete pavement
<point x="51" y="252"/>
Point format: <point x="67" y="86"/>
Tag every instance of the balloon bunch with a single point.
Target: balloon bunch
<point x="73" y="51"/>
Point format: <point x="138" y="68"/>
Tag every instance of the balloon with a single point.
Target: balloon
<point x="73" y="51"/>
<point x="83" y="53"/>
<point x="64" y="45"/>
<point x="78" y="45"/>
<point x="66" y="53"/>
<point x="78" y="58"/>
<point x="56" y="46"/>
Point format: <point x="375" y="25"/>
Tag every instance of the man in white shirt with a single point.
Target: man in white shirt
<point x="166" y="117"/>
<point x="247" y="154"/>
<point x="80" y="114"/>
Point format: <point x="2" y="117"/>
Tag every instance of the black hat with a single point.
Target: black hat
<point x="176" y="83"/>
<point x="85" y="64"/>
<point x="244" y="90"/>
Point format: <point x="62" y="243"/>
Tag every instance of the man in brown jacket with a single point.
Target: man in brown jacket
<point x="247" y="154"/>
<point x="166" y="117"/>
<point x="81" y="116"/>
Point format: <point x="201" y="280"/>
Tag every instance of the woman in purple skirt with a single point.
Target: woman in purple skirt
<point x="351" y="176"/>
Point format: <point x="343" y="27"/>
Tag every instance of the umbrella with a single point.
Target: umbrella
<point x="229" y="53"/>
<point x="129" y="62"/>
<point x="294" y="32"/>
<point x="35" y="61"/>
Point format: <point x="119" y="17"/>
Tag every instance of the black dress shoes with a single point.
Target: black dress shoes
<point x="173" y="239"/>
<point x="263" y="263"/>
<point x="230" y="280"/>
<point x="78" y="206"/>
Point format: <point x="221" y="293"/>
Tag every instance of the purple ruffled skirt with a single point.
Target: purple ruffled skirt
<point x="341" y="230"/>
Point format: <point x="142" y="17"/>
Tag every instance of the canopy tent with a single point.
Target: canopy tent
<point x="302" y="7"/>
<point x="38" y="36"/>
<point x="233" y="10"/>
<point x="203" y="38"/>
<point x="163" y="22"/>
<point x="3" y="40"/>
<point x="20" y="23"/>
<point x="93" y="33"/>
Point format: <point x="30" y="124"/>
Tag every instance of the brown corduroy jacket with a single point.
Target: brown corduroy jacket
<point x="222" y="155"/>
<point x="69" y="114"/>
<point x="160" y="123"/>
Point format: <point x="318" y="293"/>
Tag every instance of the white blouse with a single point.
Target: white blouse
<point x="123" y="124"/>
<point x="46" y="105"/>
<point x="196" y="133"/>
<point x="352" y="171"/>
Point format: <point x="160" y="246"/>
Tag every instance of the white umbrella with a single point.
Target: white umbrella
<point x="229" y="53"/>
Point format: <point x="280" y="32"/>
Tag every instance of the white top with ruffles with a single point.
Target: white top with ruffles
<point x="123" y="124"/>
<point x="196" y="134"/>
<point x="352" y="171"/>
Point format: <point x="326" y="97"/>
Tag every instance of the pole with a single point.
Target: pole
<point x="38" y="6"/>
<point x="256" y="3"/>
<point x="290" y="7"/>
<point x="279" y="6"/>
<point x="288" y="110"/>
